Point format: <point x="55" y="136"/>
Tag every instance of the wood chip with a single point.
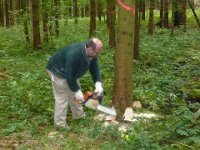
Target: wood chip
<point x="137" y="105"/>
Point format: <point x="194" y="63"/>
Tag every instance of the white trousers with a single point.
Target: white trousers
<point x="63" y="95"/>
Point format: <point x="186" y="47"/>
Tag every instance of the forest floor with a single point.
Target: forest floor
<point x="167" y="69"/>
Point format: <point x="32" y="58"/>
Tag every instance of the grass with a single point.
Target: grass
<point x="167" y="65"/>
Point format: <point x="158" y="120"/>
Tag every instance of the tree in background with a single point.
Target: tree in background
<point x="166" y="14"/>
<point x="36" y="27"/>
<point x="57" y="15"/>
<point x="143" y="9"/>
<point x="45" y="17"/>
<point x="7" y="13"/>
<point x="2" y="13"/>
<point x="151" y="9"/>
<point x="92" y="18"/>
<point x="161" y="14"/>
<point x="75" y="12"/>
<point x="122" y="92"/>
<point x="25" y="16"/>
<point x="100" y="9"/>
<point x="111" y="22"/>
<point x="136" y="30"/>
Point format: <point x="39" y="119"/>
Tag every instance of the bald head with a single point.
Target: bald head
<point x="94" y="47"/>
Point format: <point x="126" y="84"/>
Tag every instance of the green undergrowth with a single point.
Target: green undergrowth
<point x="167" y="66"/>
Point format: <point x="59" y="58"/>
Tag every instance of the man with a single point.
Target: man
<point x="65" y="68"/>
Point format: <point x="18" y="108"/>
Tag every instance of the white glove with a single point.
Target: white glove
<point x="98" y="88"/>
<point x="79" y="96"/>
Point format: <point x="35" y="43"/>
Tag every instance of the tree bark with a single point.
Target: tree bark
<point x="25" y="21"/>
<point x="92" y="18"/>
<point x="151" y="28"/>
<point x="70" y="8"/>
<point x="161" y="14"/>
<point x="57" y="16"/>
<point x="11" y="13"/>
<point x="99" y="10"/>
<point x="7" y="13"/>
<point x="136" y="32"/>
<point x="122" y="92"/>
<point x="111" y="22"/>
<point x="173" y="17"/>
<point x="143" y="9"/>
<point x="194" y="13"/>
<point x="166" y="12"/>
<point x="45" y="16"/>
<point x="75" y="11"/>
<point x="36" y="27"/>
<point x="2" y="13"/>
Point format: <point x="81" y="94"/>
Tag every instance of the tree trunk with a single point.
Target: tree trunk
<point x="173" y="17"/>
<point x="70" y="8"/>
<point x="7" y="13"/>
<point x="136" y="32"/>
<point x="143" y="9"/>
<point x="57" y="16"/>
<point x="45" y="20"/>
<point x="75" y="11"/>
<point x="176" y="13"/>
<point x="2" y="13"/>
<point x="183" y="12"/>
<point x="166" y="12"/>
<point x="36" y="27"/>
<point x="150" y="31"/>
<point x="82" y="12"/>
<point x="25" y="21"/>
<point x="161" y="14"/>
<point x="122" y="92"/>
<point x="107" y="13"/>
<point x="92" y="18"/>
<point x="111" y="22"/>
<point x="194" y="13"/>
<point x="99" y="10"/>
<point x="11" y="13"/>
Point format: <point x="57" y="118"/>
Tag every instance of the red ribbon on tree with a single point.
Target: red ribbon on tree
<point x="129" y="8"/>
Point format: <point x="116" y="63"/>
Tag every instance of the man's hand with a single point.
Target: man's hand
<point x="79" y="96"/>
<point x="98" y="89"/>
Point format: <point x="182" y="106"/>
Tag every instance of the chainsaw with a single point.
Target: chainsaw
<point x="92" y="101"/>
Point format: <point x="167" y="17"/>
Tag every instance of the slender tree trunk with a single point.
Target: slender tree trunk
<point x="7" y="13"/>
<point x="87" y="8"/>
<point x="136" y="32"/>
<point x="2" y="13"/>
<point x="92" y="18"/>
<point x="151" y="28"/>
<point x="111" y="22"/>
<point x="166" y="12"/>
<point x="45" y="16"/>
<point x="184" y="10"/>
<point x="11" y="12"/>
<point x="107" y="13"/>
<point x="176" y="13"/>
<point x="122" y="92"/>
<point x="161" y="13"/>
<point x="143" y="9"/>
<point x="70" y="8"/>
<point x="57" y="16"/>
<point x="82" y="11"/>
<point x="75" y="11"/>
<point x="25" y="21"/>
<point x="99" y="10"/>
<point x="173" y="16"/>
<point x="195" y="15"/>
<point x="36" y="27"/>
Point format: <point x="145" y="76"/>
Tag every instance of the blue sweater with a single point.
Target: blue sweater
<point x="71" y="63"/>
